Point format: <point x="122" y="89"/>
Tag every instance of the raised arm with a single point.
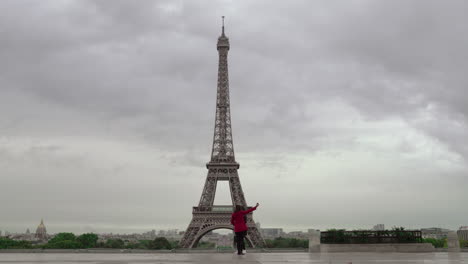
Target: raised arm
<point x="250" y="210"/>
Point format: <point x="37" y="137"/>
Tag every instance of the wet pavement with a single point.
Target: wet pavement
<point x="209" y="258"/>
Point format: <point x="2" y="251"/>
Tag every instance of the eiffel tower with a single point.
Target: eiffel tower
<point x="207" y="217"/>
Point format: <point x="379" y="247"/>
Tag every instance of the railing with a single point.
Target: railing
<point x="220" y="208"/>
<point x="214" y="209"/>
<point x="370" y="237"/>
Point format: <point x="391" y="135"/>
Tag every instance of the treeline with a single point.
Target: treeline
<point x="89" y="240"/>
<point x="281" y="242"/>
<point x="7" y="243"/>
<point x="69" y="240"/>
<point x="61" y="240"/>
<point x="157" y="243"/>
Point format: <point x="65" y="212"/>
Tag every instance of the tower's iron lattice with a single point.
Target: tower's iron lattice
<point x="222" y="167"/>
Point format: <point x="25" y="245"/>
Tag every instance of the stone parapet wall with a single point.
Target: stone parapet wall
<point x="413" y="247"/>
<point x="314" y="240"/>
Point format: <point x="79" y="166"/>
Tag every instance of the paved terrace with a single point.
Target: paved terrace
<point x="219" y="258"/>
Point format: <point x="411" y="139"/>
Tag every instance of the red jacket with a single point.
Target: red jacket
<point x="237" y="220"/>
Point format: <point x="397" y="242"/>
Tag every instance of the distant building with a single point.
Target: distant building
<point x="41" y="232"/>
<point x="225" y="240"/>
<point x="271" y="232"/>
<point x="172" y="232"/>
<point x="168" y="233"/>
<point x="150" y="235"/>
<point x="28" y="232"/>
<point x="379" y="227"/>
<point x="434" y="232"/>
<point x="463" y="233"/>
<point x="296" y="234"/>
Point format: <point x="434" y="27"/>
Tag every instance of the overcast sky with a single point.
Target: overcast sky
<point x="345" y="113"/>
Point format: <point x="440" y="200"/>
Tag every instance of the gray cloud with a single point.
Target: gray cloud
<point x="115" y="101"/>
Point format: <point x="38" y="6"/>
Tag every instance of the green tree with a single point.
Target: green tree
<point x="136" y="245"/>
<point x="63" y="240"/>
<point x="160" y="243"/>
<point x="62" y="237"/>
<point x="174" y="244"/>
<point x="336" y="236"/>
<point x="63" y="244"/>
<point x="463" y="243"/>
<point x="88" y="240"/>
<point x="206" y="244"/>
<point x="100" y="244"/>
<point x="115" y="243"/>
<point x="6" y="243"/>
<point x="145" y="243"/>
<point x="281" y="242"/>
<point x="437" y="243"/>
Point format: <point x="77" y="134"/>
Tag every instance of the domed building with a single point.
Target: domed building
<point x="41" y="232"/>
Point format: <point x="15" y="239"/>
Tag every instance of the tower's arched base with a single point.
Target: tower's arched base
<point x="206" y="221"/>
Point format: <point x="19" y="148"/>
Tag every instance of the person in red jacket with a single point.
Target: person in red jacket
<point x="240" y="226"/>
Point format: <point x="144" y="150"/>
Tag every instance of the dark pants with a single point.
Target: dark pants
<point x="240" y="241"/>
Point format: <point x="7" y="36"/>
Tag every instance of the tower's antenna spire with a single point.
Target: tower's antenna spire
<point x="223" y="25"/>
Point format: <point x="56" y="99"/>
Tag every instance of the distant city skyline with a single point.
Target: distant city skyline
<point x="344" y="114"/>
<point x="129" y="230"/>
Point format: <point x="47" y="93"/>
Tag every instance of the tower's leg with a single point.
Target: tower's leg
<point x="192" y="231"/>
<point x="236" y="191"/>
<point x="208" y="195"/>
<point x="188" y="237"/>
<point x="254" y="235"/>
